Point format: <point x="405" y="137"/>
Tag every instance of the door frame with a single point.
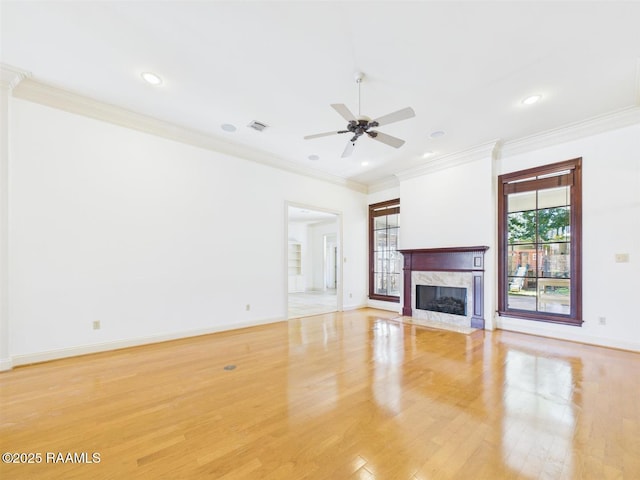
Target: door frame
<point x="285" y="263"/>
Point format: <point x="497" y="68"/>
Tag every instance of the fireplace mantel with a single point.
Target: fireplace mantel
<point x="450" y="259"/>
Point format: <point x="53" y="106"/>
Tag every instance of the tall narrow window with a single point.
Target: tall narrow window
<point x="539" y="213"/>
<point x="385" y="262"/>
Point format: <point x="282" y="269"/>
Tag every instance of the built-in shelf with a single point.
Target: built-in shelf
<point x="295" y="259"/>
<point x="294" y="264"/>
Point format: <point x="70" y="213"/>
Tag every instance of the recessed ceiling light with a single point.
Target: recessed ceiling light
<point x="313" y="157"/>
<point x="531" y="100"/>
<point x="227" y="127"/>
<point x="437" y="134"/>
<point x="151" y="78"/>
<point x="364" y="164"/>
<point x="427" y="154"/>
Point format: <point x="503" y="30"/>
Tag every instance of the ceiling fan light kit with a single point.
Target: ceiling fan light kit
<point x="361" y="125"/>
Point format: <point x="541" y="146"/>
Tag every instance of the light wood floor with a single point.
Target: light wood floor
<point x="339" y="396"/>
<point x="311" y="302"/>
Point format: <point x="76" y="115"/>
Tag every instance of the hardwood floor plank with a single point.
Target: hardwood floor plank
<point x="338" y="396"/>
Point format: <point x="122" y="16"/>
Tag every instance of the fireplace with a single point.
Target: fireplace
<point x="452" y="300"/>
<point x="459" y="274"/>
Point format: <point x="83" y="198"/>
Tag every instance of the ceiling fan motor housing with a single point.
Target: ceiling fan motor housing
<point x="358" y="127"/>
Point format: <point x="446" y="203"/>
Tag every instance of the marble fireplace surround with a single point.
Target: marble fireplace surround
<point x="449" y="267"/>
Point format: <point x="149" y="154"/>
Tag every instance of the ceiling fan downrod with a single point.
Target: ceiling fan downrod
<point x="358" y="77"/>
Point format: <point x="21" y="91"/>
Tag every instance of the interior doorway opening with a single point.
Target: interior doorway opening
<point x="313" y="269"/>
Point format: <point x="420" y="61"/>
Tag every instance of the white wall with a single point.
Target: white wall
<point x="611" y="224"/>
<point x="448" y="208"/>
<point x="453" y="207"/>
<point x="317" y="232"/>
<point x="153" y="238"/>
<point x="379" y="196"/>
<point x="298" y="233"/>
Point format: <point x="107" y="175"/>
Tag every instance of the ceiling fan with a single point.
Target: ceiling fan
<point x="360" y="125"/>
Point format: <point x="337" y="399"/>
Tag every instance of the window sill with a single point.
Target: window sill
<point x="385" y="298"/>
<point x="539" y="317"/>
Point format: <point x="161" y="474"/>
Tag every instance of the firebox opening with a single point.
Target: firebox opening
<point x="451" y="300"/>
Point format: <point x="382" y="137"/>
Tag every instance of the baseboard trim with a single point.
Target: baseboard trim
<point x="502" y="324"/>
<point x="572" y="336"/>
<point x="47" y="356"/>
<point x="348" y="308"/>
<point x="5" y="364"/>
<point x="387" y="306"/>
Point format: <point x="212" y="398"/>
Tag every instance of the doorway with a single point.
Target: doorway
<point x="313" y="270"/>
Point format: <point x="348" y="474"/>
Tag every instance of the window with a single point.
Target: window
<point x="540" y="238"/>
<point x="385" y="262"/>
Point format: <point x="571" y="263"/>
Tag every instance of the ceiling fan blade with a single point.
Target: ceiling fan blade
<point x="349" y="148"/>
<point x="326" y="134"/>
<point x="395" y="116"/>
<point x="387" y="139"/>
<point x="344" y="112"/>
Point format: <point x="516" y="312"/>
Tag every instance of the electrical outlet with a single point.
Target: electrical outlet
<point x="602" y="320"/>
<point x="96" y="324"/>
<point x="622" y="257"/>
<point x="248" y="307"/>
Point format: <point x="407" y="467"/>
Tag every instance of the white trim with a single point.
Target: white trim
<point x="339" y="243"/>
<point x="387" y="306"/>
<point x="349" y="308"/>
<point x="47" y="356"/>
<point x="592" y="126"/>
<point x="573" y="334"/>
<point x="26" y="88"/>
<point x="383" y="184"/>
<point x="486" y="150"/>
<point x="34" y="91"/>
<point x="5" y="364"/>
<point x="10" y="76"/>
<point x="498" y="149"/>
<point x="638" y="82"/>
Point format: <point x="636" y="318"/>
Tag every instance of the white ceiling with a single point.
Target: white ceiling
<point x="309" y="216"/>
<point x="464" y="67"/>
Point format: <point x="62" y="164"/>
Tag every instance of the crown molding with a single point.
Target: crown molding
<point x="10" y="76"/>
<point x="383" y="184"/>
<point x="485" y="150"/>
<point x="38" y="92"/>
<point x="574" y="131"/>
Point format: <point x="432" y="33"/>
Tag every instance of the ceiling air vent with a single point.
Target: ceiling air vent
<point x="256" y="125"/>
